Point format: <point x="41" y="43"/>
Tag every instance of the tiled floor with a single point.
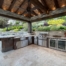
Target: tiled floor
<point x="33" y="56"/>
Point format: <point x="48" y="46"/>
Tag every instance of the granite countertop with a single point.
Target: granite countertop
<point x="23" y="36"/>
<point x="57" y="37"/>
<point x="16" y="35"/>
<point x="6" y="36"/>
<point x="19" y="36"/>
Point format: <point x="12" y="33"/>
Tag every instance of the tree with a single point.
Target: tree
<point x="17" y="23"/>
<point x="3" y="22"/>
<point x="56" y="21"/>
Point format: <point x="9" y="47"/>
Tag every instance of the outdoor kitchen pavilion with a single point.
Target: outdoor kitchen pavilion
<point x="32" y="10"/>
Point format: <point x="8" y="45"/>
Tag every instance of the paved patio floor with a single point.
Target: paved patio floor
<point x="33" y="56"/>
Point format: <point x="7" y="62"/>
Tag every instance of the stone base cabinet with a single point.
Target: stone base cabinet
<point x="7" y="44"/>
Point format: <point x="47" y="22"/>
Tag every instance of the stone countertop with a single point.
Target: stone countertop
<point x="6" y="36"/>
<point x="23" y="36"/>
<point x="15" y="36"/>
<point x="51" y="37"/>
<point x="18" y="36"/>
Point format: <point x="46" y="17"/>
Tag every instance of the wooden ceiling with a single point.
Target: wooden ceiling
<point x="31" y="10"/>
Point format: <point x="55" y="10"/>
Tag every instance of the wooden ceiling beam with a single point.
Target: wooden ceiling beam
<point x="16" y="5"/>
<point x="6" y="4"/>
<point x="12" y="15"/>
<point x="26" y="13"/>
<point x="35" y="9"/>
<point x="61" y="3"/>
<point x="51" y="4"/>
<point x="39" y="9"/>
<point x="23" y="7"/>
<point x="45" y="4"/>
<point x="1" y="3"/>
<point x="12" y="4"/>
<point x="60" y="11"/>
<point x="49" y="17"/>
<point x="40" y="6"/>
<point x="56" y="3"/>
<point x="33" y="12"/>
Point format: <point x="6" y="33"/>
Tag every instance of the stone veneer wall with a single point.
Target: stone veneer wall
<point x="51" y="33"/>
<point x="59" y="33"/>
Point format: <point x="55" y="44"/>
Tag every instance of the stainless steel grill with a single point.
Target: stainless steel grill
<point x="36" y="40"/>
<point x="42" y="39"/>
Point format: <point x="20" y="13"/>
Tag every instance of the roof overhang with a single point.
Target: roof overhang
<point x="32" y="10"/>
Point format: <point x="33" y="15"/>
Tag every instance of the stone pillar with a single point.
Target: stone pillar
<point x="29" y="27"/>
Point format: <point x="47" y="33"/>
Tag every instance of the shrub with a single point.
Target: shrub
<point x="61" y="27"/>
<point x="56" y="21"/>
<point x="14" y="27"/>
<point x="40" y="28"/>
<point x="20" y="27"/>
<point x="9" y="28"/>
<point x="64" y="27"/>
<point x="34" y="29"/>
<point x="44" y="29"/>
<point x="5" y="29"/>
<point x="54" y="28"/>
<point x="16" y="30"/>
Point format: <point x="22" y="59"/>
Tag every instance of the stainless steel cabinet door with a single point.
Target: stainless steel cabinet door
<point x="22" y="43"/>
<point x="61" y="45"/>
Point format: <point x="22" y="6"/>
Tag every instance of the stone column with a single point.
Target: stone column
<point x="29" y="27"/>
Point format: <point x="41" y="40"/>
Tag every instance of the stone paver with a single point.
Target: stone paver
<point x="33" y="55"/>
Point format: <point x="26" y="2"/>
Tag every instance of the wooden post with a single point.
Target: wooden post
<point x="29" y="27"/>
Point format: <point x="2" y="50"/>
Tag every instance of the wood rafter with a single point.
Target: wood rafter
<point x="40" y="6"/>
<point x="6" y="4"/>
<point x="31" y="10"/>
<point x="34" y="13"/>
<point x="1" y="3"/>
<point x="61" y="3"/>
<point x="12" y="15"/>
<point x="51" y="4"/>
<point x="45" y="4"/>
<point x="55" y="13"/>
<point x="16" y="5"/>
<point x="36" y="9"/>
<point x="23" y="7"/>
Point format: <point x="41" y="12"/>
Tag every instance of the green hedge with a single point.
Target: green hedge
<point x="51" y="28"/>
<point x="43" y="28"/>
<point x="17" y="28"/>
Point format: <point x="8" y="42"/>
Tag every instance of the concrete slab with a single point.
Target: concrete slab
<point x="33" y="55"/>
